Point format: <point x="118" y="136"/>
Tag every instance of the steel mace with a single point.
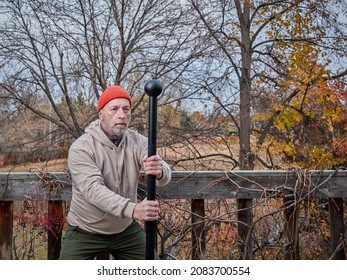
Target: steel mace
<point x="153" y="89"/>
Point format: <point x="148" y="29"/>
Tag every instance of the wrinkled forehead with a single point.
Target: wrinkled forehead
<point x="118" y="102"/>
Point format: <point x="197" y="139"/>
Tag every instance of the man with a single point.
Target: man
<point x="105" y="165"/>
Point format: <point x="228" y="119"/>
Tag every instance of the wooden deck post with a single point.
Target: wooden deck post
<point x="291" y="229"/>
<point x="244" y="216"/>
<point x="198" y="231"/>
<point x="337" y="229"/>
<point x="6" y="229"/>
<point x="56" y="220"/>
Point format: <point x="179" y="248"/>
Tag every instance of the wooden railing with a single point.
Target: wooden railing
<point x="196" y="186"/>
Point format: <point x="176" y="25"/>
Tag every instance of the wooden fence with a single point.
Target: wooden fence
<point x="290" y="186"/>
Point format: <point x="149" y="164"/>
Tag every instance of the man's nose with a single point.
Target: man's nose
<point x="121" y="114"/>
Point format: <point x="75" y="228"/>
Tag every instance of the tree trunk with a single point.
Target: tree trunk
<point x="246" y="158"/>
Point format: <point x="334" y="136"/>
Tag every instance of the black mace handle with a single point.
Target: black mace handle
<point x="153" y="89"/>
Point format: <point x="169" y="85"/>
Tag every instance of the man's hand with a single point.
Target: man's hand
<point x="146" y="210"/>
<point x="153" y="166"/>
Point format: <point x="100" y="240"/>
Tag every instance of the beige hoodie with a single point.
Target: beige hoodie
<point x="105" y="179"/>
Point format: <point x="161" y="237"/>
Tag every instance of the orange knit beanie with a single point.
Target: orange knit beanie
<point x="110" y="93"/>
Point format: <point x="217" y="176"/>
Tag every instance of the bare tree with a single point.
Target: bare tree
<point x="66" y="50"/>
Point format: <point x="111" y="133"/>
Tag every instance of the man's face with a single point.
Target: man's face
<point x="115" y="116"/>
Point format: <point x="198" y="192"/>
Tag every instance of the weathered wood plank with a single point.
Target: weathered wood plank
<point x="291" y="215"/>
<point x="6" y="229"/>
<point x="56" y="222"/>
<point x="191" y="185"/>
<point x="198" y="229"/>
<point x="33" y="185"/>
<point x="337" y="229"/>
<point x="244" y="228"/>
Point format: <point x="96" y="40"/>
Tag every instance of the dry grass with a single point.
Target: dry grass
<point x="57" y="165"/>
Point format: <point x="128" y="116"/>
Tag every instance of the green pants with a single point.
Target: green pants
<point x="79" y="244"/>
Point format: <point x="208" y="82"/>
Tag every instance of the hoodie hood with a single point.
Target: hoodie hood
<point x="94" y="129"/>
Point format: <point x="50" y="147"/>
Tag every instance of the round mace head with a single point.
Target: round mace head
<point x="153" y="87"/>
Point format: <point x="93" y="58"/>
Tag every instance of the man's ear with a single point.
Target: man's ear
<point x="101" y="116"/>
